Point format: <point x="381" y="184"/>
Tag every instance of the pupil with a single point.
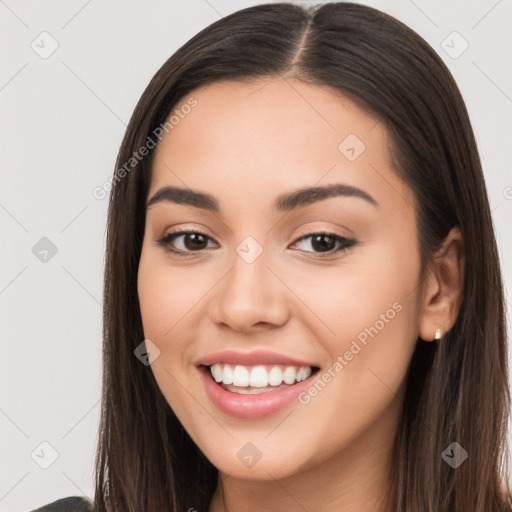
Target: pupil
<point x="319" y="242"/>
<point x="196" y="239"/>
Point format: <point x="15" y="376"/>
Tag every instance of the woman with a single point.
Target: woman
<point x="303" y="300"/>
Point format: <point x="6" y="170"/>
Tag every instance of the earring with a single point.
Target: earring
<point x="438" y="334"/>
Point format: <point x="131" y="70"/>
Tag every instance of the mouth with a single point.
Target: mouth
<point x="251" y="393"/>
<point x="257" y="379"/>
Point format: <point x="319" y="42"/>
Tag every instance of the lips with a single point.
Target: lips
<point x="253" y="358"/>
<point x="246" y="402"/>
<point x="251" y="406"/>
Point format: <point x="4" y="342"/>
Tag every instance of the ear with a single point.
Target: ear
<point x="444" y="287"/>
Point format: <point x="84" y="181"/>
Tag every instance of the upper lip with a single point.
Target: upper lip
<point x="255" y="357"/>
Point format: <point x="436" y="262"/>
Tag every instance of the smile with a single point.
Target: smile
<point x="257" y="379"/>
<point x="251" y="392"/>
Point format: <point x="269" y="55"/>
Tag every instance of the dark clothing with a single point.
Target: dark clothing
<point x="70" y="504"/>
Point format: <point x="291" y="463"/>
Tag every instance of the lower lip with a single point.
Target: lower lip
<point x="251" y="406"/>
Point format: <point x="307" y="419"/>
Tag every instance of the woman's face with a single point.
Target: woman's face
<point x="328" y="282"/>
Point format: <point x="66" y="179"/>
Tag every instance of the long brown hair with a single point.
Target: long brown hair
<point x="456" y="391"/>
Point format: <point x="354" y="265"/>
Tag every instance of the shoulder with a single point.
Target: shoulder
<point x="70" y="504"/>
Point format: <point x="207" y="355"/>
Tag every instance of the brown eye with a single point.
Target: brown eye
<point x="187" y="242"/>
<point x="325" y="243"/>
<point x="194" y="241"/>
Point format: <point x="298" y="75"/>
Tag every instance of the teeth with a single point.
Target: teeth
<point x="227" y="376"/>
<point x="217" y="372"/>
<point x="258" y="377"/>
<point x="289" y="375"/>
<point x="261" y="376"/>
<point x="275" y="376"/>
<point x="240" y="376"/>
<point x="303" y="374"/>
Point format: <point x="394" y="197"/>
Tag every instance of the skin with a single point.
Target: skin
<point x="246" y="144"/>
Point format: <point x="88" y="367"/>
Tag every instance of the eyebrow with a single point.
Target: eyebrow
<point x="286" y="202"/>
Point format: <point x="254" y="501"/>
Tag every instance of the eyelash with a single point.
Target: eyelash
<point x="346" y="243"/>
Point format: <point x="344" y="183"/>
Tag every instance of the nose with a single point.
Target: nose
<point x="250" y="297"/>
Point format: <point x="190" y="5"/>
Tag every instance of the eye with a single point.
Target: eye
<point x="191" y="241"/>
<point x="325" y="243"/>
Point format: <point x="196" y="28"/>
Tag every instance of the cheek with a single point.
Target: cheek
<point x="166" y="295"/>
<point x="374" y="320"/>
<point x="374" y="288"/>
<point x="366" y="317"/>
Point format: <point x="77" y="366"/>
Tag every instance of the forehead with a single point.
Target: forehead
<point x="274" y="135"/>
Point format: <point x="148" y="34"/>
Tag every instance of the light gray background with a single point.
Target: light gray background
<point x="63" y="118"/>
